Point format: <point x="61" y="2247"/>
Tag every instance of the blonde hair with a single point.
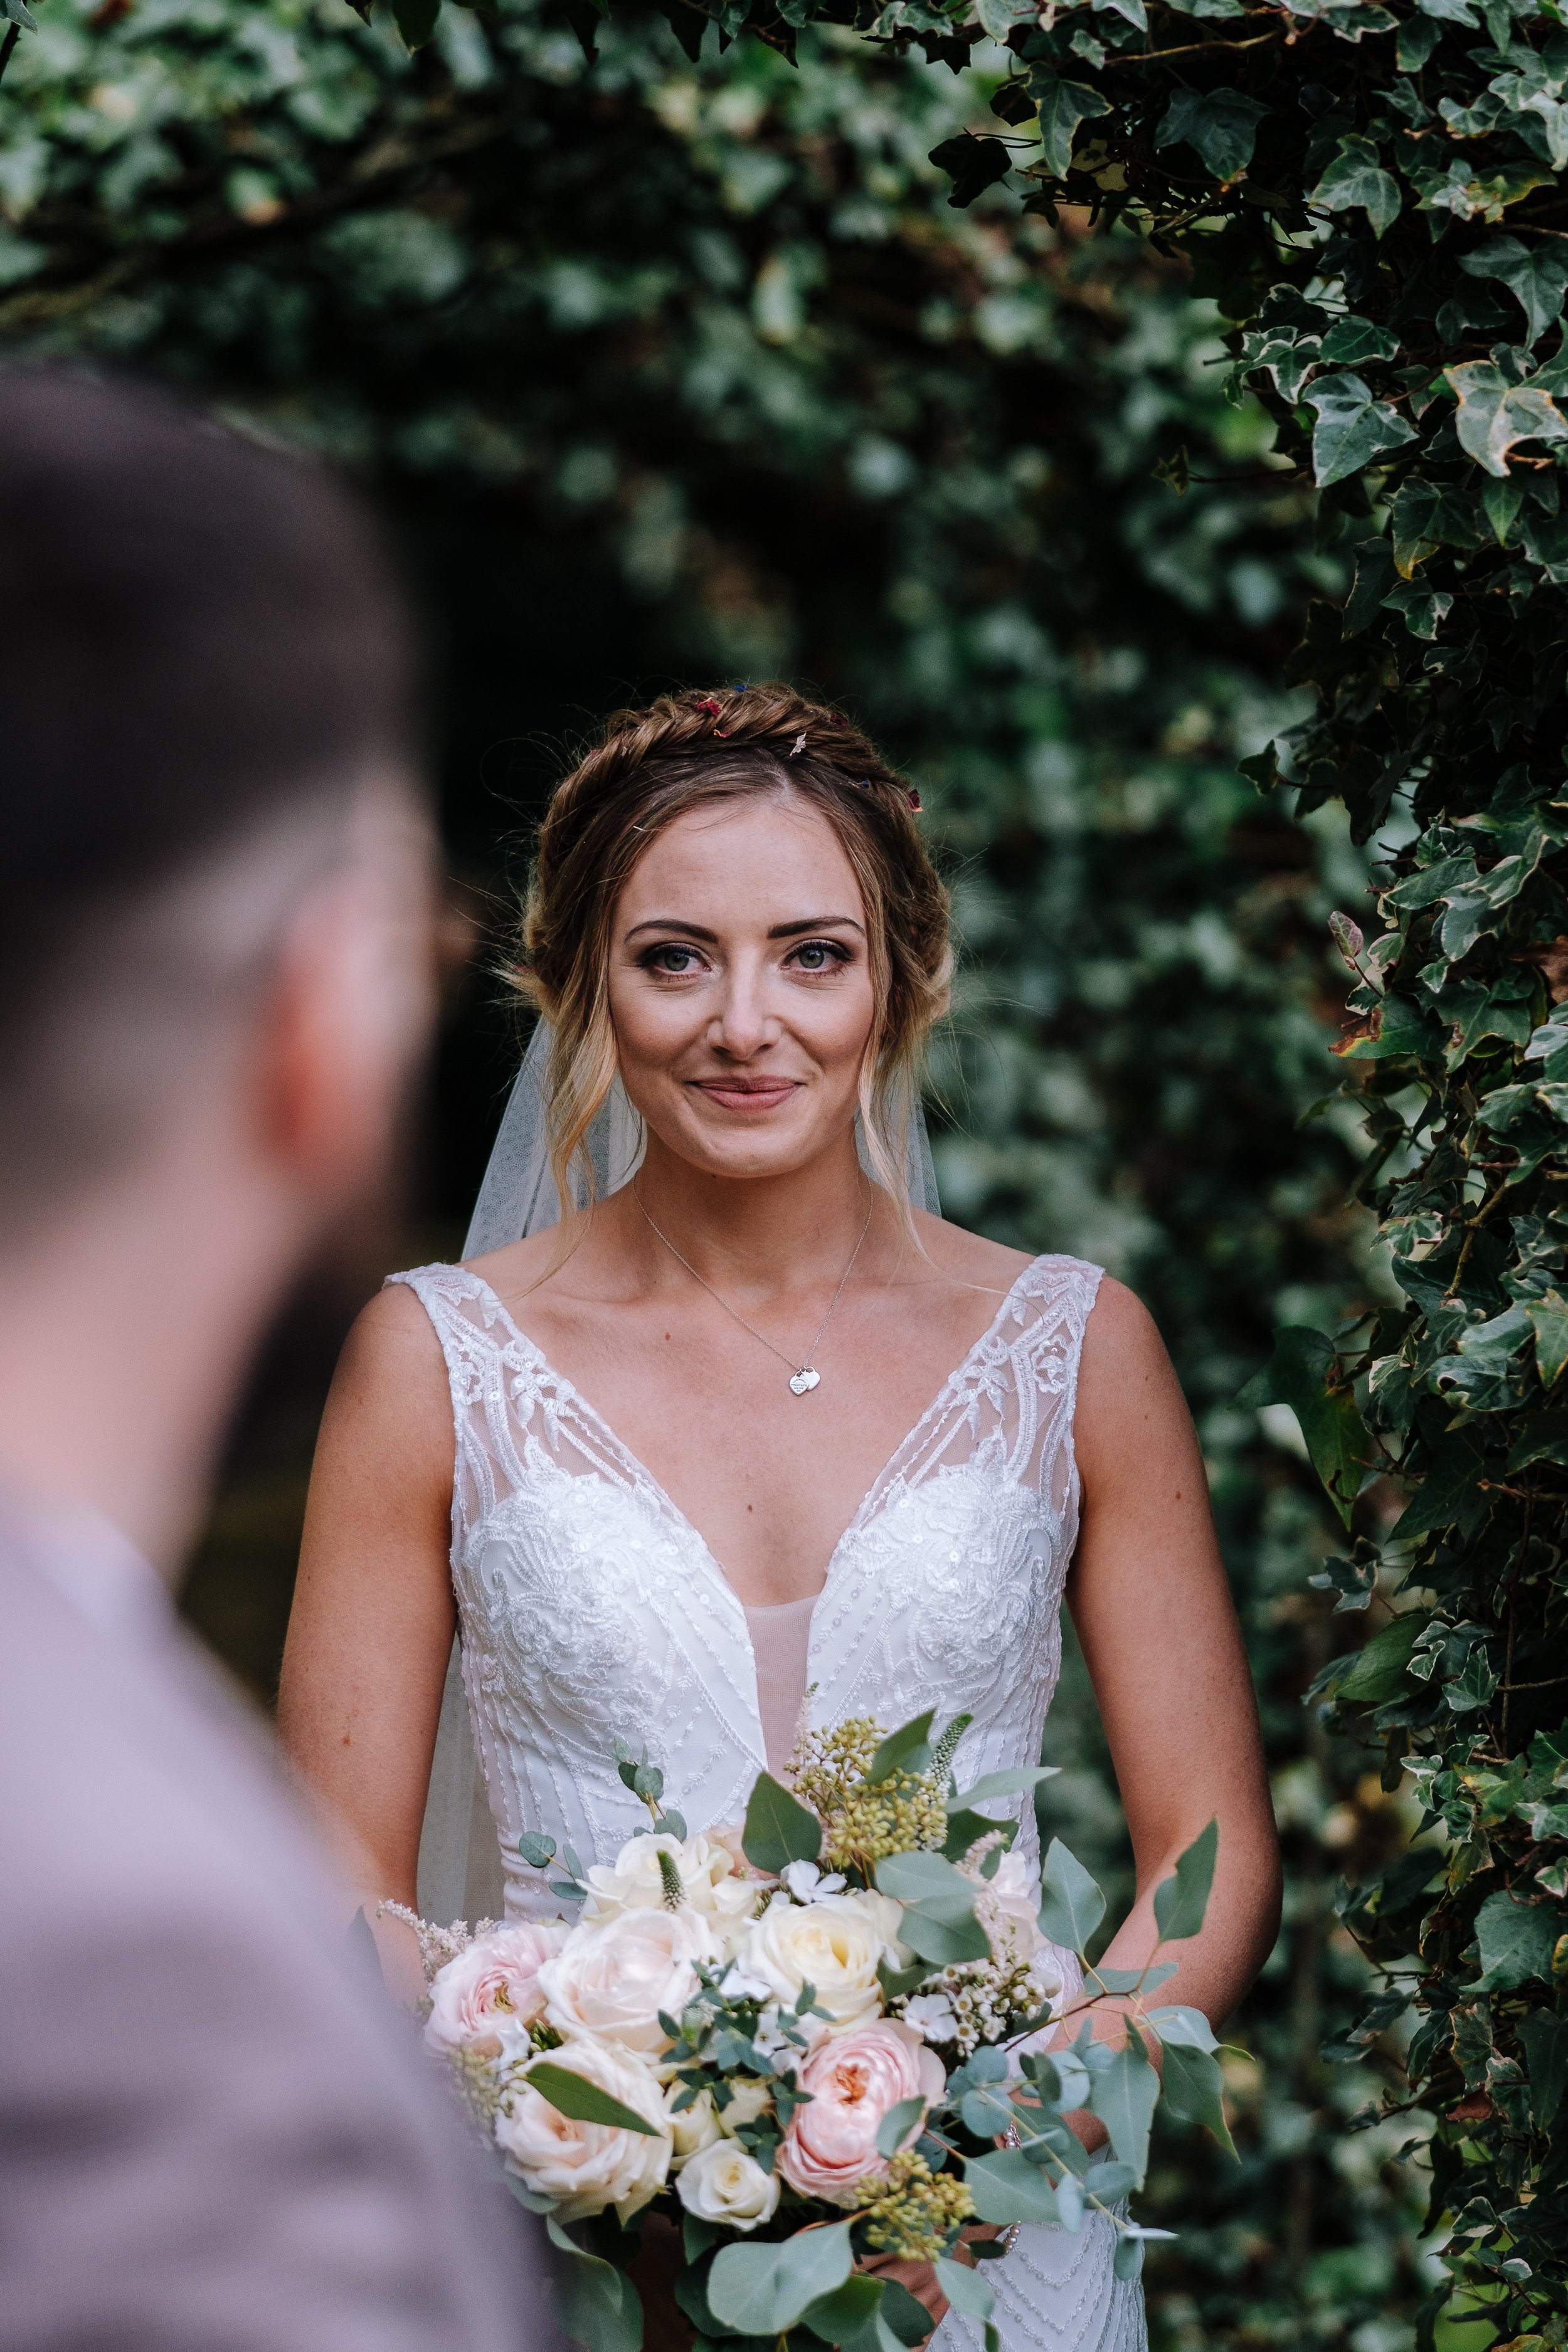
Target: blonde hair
<point x="649" y="767"/>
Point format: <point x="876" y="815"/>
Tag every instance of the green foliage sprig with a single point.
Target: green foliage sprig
<point x="1375" y="196"/>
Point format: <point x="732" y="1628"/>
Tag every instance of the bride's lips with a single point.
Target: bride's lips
<point x="746" y="1095"/>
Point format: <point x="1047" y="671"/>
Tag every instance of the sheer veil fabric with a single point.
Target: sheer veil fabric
<point x="459" y="1860"/>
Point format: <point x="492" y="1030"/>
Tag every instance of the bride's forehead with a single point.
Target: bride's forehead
<point x="744" y="850"/>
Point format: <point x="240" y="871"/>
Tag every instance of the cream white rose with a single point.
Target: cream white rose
<point x="709" y="1883"/>
<point x="693" y="2127"/>
<point x="833" y="1944"/>
<point x="722" y="2183"/>
<point x="613" y="1976"/>
<point x="751" y="2097"/>
<point x="587" y="2166"/>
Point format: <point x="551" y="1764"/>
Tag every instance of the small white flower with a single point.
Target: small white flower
<point x="932" y="2015"/>
<point x="736" y="1985"/>
<point x="722" y="2183"/>
<point x="805" y="1880"/>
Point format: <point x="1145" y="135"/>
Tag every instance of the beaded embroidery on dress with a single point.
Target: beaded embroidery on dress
<point x="590" y="1607"/>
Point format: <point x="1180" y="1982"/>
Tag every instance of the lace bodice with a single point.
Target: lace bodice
<point x="591" y="1608"/>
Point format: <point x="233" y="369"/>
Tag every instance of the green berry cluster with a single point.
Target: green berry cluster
<point x="861" y="1823"/>
<point x="913" y="2211"/>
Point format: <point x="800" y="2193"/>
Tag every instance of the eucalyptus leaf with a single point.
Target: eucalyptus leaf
<point x="1180" y="1901"/>
<point x="897" y="2124"/>
<point x="907" y="1749"/>
<point x="762" y="2290"/>
<point x="1071" y="1905"/>
<point x="778" y="1829"/>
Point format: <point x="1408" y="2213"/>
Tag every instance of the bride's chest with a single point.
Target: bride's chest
<point x="580" y="1584"/>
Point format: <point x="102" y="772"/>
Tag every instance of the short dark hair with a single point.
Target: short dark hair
<point x="199" y="637"/>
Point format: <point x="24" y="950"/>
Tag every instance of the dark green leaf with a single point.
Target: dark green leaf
<point x="1352" y="429"/>
<point x="571" y="2094"/>
<point x="1180" y="1902"/>
<point x="597" y="2303"/>
<point x="1301" y="1374"/>
<point x="908" y="1749"/>
<point x="972" y="165"/>
<point x="1517" y="1941"/>
<point x="779" y="1830"/>
<point x="1220" y="126"/>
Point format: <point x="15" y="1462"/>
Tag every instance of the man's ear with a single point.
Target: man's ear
<point x="348" y="1010"/>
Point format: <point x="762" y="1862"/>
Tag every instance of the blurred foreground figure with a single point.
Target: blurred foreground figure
<point x="213" y="975"/>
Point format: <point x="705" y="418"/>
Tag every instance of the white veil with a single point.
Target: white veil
<point x="459" y="1861"/>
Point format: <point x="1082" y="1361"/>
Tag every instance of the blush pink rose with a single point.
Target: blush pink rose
<point x="855" y="2079"/>
<point x="494" y="1983"/>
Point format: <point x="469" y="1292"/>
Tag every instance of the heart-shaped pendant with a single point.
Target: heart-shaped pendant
<point x="803" y="1380"/>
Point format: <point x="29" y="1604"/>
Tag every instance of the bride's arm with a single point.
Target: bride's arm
<point x="370" y="1628"/>
<point x="1153" y="1614"/>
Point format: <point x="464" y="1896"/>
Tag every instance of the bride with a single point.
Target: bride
<point x="753" y="1433"/>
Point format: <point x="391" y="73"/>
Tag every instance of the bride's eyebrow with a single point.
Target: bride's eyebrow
<point x="779" y="930"/>
<point x="816" y="923"/>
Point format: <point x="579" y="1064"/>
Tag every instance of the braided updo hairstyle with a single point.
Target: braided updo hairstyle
<point x="649" y="767"/>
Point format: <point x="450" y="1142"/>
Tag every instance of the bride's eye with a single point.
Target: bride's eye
<point x="671" y="959"/>
<point x="819" y="955"/>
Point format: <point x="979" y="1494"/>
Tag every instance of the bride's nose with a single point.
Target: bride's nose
<point x="744" y="1025"/>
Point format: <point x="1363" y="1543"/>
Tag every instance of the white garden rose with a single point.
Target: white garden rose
<point x="611" y="1976"/>
<point x="722" y="2183"/>
<point x="587" y="2166"/>
<point x="751" y="2097"/>
<point x="710" y="1882"/>
<point x="693" y="2127"/>
<point x="833" y="1944"/>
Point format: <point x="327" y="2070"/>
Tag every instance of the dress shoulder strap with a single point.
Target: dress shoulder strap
<point x="1064" y="1290"/>
<point x="485" y="1384"/>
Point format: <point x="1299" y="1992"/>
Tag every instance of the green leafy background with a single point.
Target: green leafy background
<point x="677" y="361"/>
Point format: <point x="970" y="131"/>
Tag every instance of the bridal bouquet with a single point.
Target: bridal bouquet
<point x="813" y="2039"/>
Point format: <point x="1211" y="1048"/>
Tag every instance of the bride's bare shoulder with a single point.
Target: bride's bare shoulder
<point x="954" y="1256"/>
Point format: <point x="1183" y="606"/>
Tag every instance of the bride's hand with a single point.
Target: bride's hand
<point x="919" y="2279"/>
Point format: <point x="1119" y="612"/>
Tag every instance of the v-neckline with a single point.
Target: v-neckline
<point x="869" y="1502"/>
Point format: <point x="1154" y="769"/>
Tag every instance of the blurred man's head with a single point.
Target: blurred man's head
<point x="205" y="739"/>
<point x="215" y="963"/>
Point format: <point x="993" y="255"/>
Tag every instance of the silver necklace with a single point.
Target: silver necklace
<point x="803" y="1376"/>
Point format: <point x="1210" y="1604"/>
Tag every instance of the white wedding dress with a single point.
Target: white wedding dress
<point x="590" y="1609"/>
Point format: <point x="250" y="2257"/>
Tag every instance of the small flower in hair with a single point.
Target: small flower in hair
<point x="798" y="746"/>
<point x="739" y="686"/>
<point x="914" y="801"/>
<point x="706" y="702"/>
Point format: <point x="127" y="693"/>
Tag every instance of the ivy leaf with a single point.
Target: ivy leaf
<point x="972" y="165"/>
<point x="779" y="1830"/>
<point x="1493" y="413"/>
<point x="1548" y="1321"/>
<point x="1300" y="1374"/>
<point x="1427" y="515"/>
<point x="1536" y="274"/>
<point x="1356" y="176"/>
<point x="1377" y="1670"/>
<point x="1063" y="106"/>
<point x="999" y="17"/>
<point x="1350" y="340"/>
<point x="764" y="2290"/>
<point x="415" y="20"/>
<point x="1352" y="429"/>
<point x="1220" y="126"/>
<point x="1517" y="1941"/>
<point x="1545" y="2040"/>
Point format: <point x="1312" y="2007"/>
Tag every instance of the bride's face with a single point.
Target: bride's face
<point x="740" y="986"/>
